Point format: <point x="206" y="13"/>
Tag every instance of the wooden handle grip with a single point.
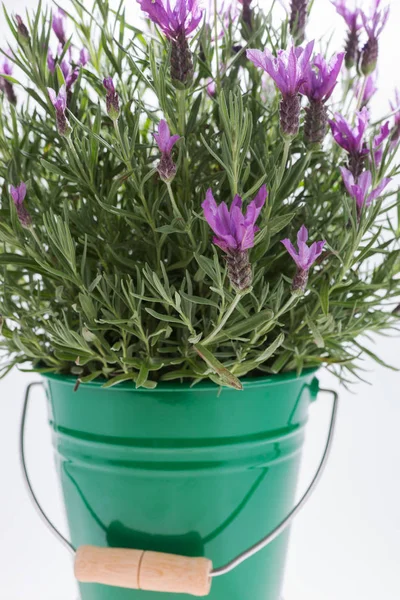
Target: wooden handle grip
<point x="142" y="570"/>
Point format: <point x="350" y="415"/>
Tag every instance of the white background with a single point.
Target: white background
<point x="345" y="544"/>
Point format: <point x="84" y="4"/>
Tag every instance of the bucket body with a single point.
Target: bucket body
<point x="194" y="471"/>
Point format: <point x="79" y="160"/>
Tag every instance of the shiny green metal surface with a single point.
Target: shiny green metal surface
<point x="193" y="471"/>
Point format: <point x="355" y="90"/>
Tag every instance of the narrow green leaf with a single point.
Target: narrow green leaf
<point x="226" y="377"/>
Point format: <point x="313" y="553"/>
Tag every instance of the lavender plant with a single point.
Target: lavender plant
<point x="153" y="180"/>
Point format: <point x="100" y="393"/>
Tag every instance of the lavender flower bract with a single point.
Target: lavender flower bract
<point x="112" y="99"/>
<point x="58" y="26"/>
<point x="373" y="25"/>
<point x="70" y="74"/>
<point x="51" y="61"/>
<point x="18" y="195"/>
<point x="379" y="140"/>
<point x="289" y="71"/>
<point x="84" y="57"/>
<point x="318" y="87"/>
<point x="359" y="188"/>
<point x="304" y="258"/>
<point x="351" y="139"/>
<point x="6" y="67"/>
<point x="234" y="233"/>
<point x="165" y="141"/>
<point x="60" y="104"/>
<point x="352" y="19"/>
<point x="177" y="24"/>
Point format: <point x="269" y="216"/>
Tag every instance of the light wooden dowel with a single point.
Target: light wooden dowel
<point x="142" y="570"/>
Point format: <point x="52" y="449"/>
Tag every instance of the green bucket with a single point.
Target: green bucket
<point x="195" y="471"/>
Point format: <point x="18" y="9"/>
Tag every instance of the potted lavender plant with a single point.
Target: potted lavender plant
<point x="192" y="224"/>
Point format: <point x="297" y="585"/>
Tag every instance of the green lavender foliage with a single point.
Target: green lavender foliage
<point x="111" y="283"/>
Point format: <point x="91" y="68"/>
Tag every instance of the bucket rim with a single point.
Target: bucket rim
<point x="187" y="386"/>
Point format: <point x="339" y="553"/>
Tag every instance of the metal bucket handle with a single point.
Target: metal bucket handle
<point x="155" y="571"/>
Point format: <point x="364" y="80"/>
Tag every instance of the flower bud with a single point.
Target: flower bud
<point x="112" y="99"/>
<point x="22" y="29"/>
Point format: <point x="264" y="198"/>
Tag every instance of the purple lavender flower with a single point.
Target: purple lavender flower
<point x="18" y="195"/>
<point x="70" y="74"/>
<point x="6" y="67"/>
<point x="379" y="140"/>
<point x="211" y="87"/>
<point x="289" y="71"/>
<point x="112" y="99"/>
<point x="353" y="22"/>
<point x="234" y="233"/>
<point x="165" y="141"/>
<point x="60" y="104"/>
<point x="359" y="188"/>
<point x="22" y="30"/>
<point x="58" y="25"/>
<point x="298" y="18"/>
<point x="318" y="87"/>
<point x="183" y="18"/>
<point x="51" y="61"/>
<point x="177" y="24"/>
<point x="84" y="57"/>
<point x="373" y="25"/>
<point x="321" y="77"/>
<point x="351" y="138"/>
<point x="369" y="90"/>
<point x="304" y="258"/>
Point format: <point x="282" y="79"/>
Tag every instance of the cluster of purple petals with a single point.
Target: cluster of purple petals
<point x="379" y="141"/>
<point x="69" y="68"/>
<point x="288" y="69"/>
<point x="60" y="104"/>
<point x="348" y="137"/>
<point x="6" y="66"/>
<point x="181" y="19"/>
<point x="305" y="256"/>
<point x="376" y="20"/>
<point x="350" y="15"/>
<point x="18" y="194"/>
<point x="59" y="26"/>
<point x="360" y="188"/>
<point x="164" y="140"/>
<point x="234" y="231"/>
<point x="321" y="77"/>
<point x="58" y="101"/>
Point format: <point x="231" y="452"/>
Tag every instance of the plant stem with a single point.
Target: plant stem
<point x="178" y="213"/>
<point x="118" y="134"/>
<point x="175" y="209"/>
<point x="361" y="95"/>
<point x="226" y="316"/>
<point x="181" y="96"/>
<point x="286" y="148"/>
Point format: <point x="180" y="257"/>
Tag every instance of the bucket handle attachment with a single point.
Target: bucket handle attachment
<point x="157" y="571"/>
